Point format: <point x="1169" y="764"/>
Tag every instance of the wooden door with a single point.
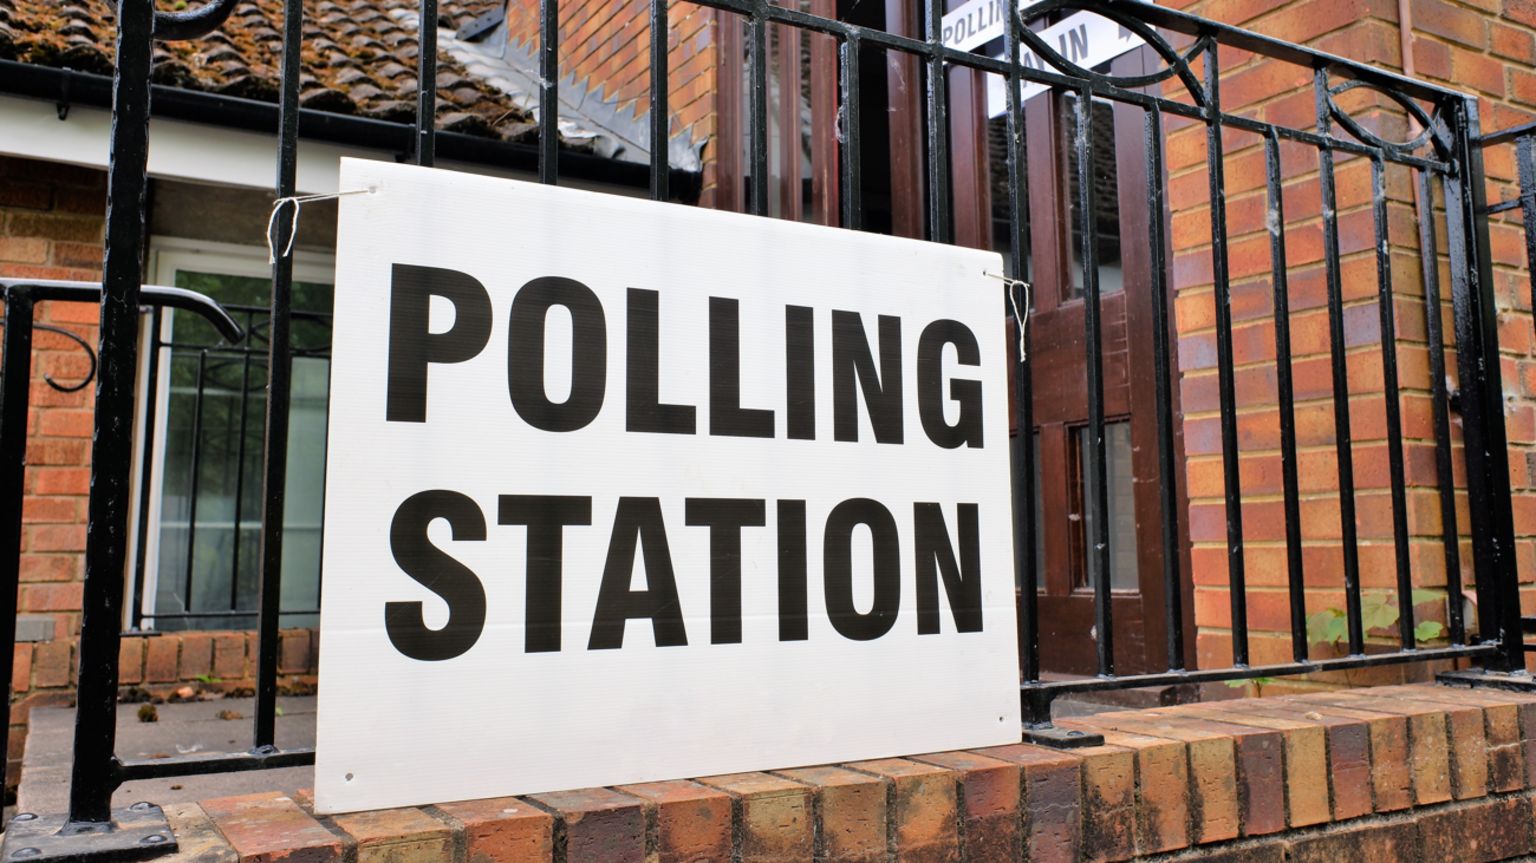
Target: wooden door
<point x="1058" y="359"/>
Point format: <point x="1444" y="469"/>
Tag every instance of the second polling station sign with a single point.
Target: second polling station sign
<point x="620" y="491"/>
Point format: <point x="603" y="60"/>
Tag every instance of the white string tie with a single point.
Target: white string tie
<point x="1021" y="317"/>
<point x="298" y="201"/>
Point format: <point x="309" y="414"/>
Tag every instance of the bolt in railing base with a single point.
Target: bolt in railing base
<point x="136" y="833"/>
<point x="1473" y="678"/>
<point x="1060" y="738"/>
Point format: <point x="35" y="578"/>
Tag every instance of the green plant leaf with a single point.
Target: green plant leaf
<point x="1428" y="630"/>
<point x="1318" y="625"/>
<point x="1421" y="595"/>
<point x="1378" y="612"/>
<point x="1336" y="629"/>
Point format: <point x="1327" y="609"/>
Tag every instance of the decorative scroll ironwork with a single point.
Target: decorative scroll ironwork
<point x="1177" y="64"/>
<point x="90" y="354"/>
<point x="1430" y="130"/>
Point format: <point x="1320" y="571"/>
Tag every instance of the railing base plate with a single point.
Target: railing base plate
<point x="1519" y="681"/>
<point x="1061" y="738"/>
<point x="138" y="832"/>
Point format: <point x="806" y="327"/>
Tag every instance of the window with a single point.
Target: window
<point x="201" y="524"/>
<point x="1120" y="508"/>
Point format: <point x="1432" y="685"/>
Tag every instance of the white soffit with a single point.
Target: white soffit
<point x="196" y="152"/>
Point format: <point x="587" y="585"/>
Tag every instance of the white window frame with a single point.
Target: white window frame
<point x="167" y="256"/>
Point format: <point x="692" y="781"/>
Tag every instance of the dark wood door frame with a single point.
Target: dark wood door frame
<point x="1059" y="397"/>
<point x="1140" y="323"/>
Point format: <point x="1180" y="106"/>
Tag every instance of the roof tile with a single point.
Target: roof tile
<point x="359" y="57"/>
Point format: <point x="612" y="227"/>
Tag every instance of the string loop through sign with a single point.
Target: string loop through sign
<point x="298" y="201"/>
<point x="1022" y="317"/>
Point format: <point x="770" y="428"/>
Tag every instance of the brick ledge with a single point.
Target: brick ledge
<point x="1415" y="772"/>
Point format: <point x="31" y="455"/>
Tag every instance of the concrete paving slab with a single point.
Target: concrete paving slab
<point x="187" y="728"/>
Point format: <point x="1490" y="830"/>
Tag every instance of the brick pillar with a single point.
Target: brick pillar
<point x="1366" y="31"/>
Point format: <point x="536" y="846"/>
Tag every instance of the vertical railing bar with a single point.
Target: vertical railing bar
<point x="939" y="222"/>
<point x="197" y="469"/>
<point x="852" y="171"/>
<point x="234" y="556"/>
<point x="1482" y="401"/>
<point x="274" y="463"/>
<point x="1525" y="160"/>
<point x="757" y="96"/>
<point x="1231" y="472"/>
<point x="1295" y="571"/>
<point x="147" y="466"/>
<point x="1456" y="243"/>
<point x="1023" y="390"/>
<point x="661" y="117"/>
<point x="1394" y="442"/>
<point x="1096" y="483"/>
<point x="1336" y="349"/>
<point x="1445" y="474"/>
<point x="15" y="398"/>
<point x="549" y="91"/>
<point x="426" y="83"/>
<point x="92" y="775"/>
<point x="1167" y="463"/>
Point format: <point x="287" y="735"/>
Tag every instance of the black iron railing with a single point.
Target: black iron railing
<point x="1443" y="158"/>
<point x="21" y="298"/>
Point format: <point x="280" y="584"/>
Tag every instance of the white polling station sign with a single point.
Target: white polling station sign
<point x="976" y="22"/>
<point x="1083" y="38"/>
<point x="622" y="491"/>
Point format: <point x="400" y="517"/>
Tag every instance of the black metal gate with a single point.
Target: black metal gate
<point x="1443" y="158"/>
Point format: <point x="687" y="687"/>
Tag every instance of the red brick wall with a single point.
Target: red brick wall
<point x="1481" y="46"/>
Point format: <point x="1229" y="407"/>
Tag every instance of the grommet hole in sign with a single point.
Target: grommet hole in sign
<point x="1020" y="316"/>
<point x="297" y="202"/>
